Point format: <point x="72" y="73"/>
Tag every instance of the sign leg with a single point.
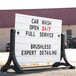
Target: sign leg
<point x="12" y="58"/>
<point x="63" y="55"/>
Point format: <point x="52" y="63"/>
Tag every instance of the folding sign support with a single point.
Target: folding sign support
<point x="17" y="67"/>
<point x="63" y="55"/>
<point x="12" y="57"/>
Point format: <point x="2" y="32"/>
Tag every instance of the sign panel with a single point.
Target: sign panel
<point x="37" y="40"/>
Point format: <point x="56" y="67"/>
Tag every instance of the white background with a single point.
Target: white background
<point x="36" y="4"/>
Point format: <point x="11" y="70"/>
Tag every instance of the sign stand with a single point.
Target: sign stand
<point x="17" y="67"/>
<point x="63" y="56"/>
<point x="12" y="57"/>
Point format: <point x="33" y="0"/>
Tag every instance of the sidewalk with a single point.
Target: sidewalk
<point x="3" y="57"/>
